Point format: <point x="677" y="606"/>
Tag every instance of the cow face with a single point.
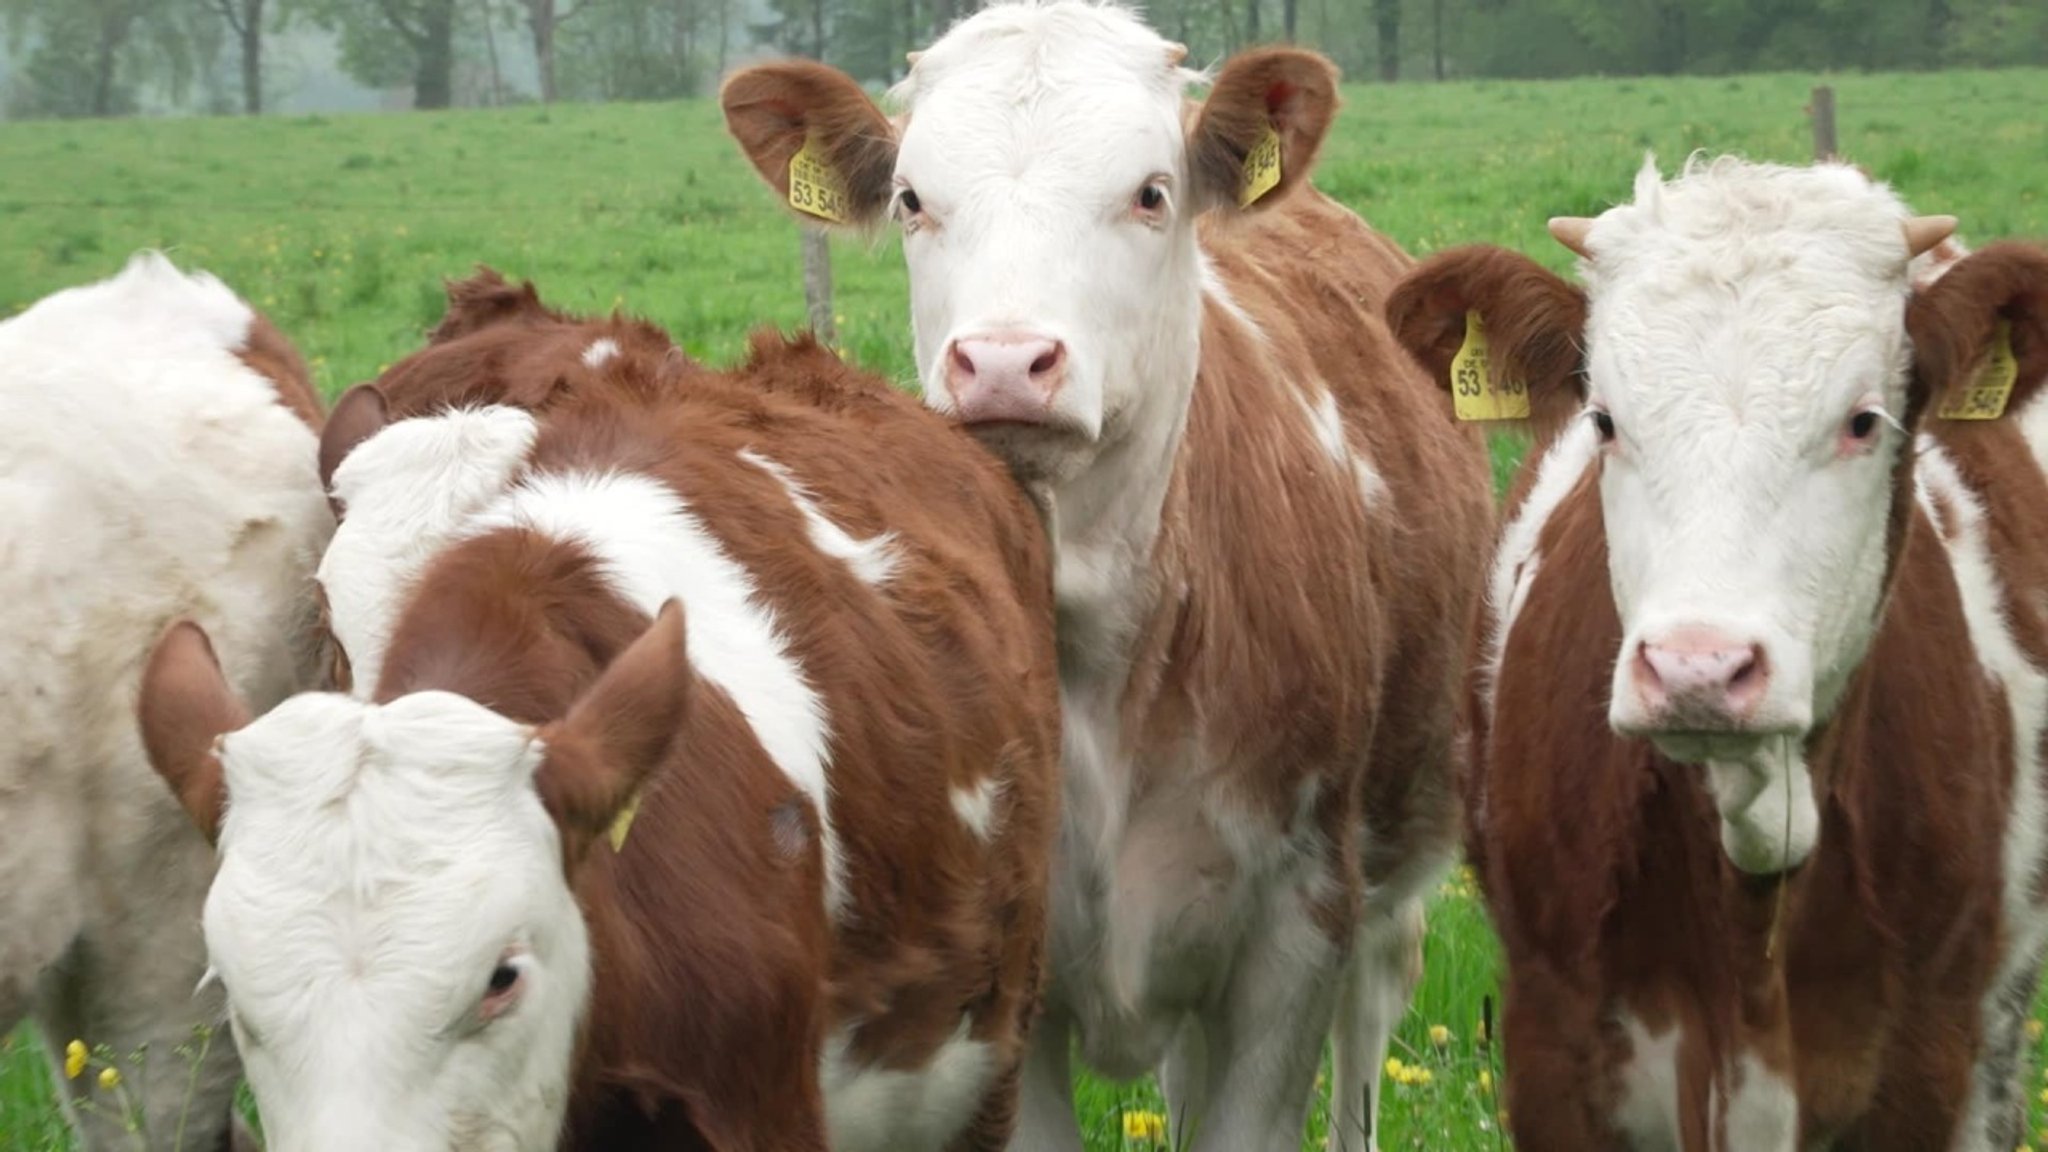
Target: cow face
<point x="404" y="958"/>
<point x="1047" y="176"/>
<point x="1747" y="376"/>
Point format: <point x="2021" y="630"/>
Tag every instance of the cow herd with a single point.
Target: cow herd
<point x="563" y="743"/>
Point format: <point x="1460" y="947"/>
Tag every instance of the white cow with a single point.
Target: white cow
<point x="156" y="460"/>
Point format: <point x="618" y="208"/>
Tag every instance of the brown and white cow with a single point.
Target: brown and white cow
<point x="1761" y="691"/>
<point x="157" y="460"/>
<point x="1269" y="535"/>
<point x="835" y="787"/>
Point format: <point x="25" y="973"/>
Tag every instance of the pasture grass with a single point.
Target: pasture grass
<point x="343" y="228"/>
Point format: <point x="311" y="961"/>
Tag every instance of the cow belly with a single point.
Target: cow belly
<point x="869" y="1109"/>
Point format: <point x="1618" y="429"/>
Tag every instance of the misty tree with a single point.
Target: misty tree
<point x="93" y="57"/>
<point x="244" y="18"/>
<point x="390" y="42"/>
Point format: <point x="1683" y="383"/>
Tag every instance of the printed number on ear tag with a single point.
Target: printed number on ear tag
<point x="1476" y="392"/>
<point x="1984" y="398"/>
<point x="1261" y="169"/>
<point x="623" y="823"/>
<point x="815" y="187"/>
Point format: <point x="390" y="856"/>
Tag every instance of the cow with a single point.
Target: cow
<point x="159" y="460"/>
<point x="1759" y="697"/>
<point x="1269" y="532"/>
<point x="695" y="782"/>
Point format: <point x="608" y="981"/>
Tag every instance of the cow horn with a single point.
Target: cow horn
<point x="1924" y="232"/>
<point x="1175" y="53"/>
<point x="1570" y="231"/>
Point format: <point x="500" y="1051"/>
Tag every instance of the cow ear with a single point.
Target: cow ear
<point x="360" y="414"/>
<point x="779" y="110"/>
<point x="186" y="706"/>
<point x="1533" y="321"/>
<point x="1258" y="133"/>
<point x="618" y="732"/>
<point x="1982" y="327"/>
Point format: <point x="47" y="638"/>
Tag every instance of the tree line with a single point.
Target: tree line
<point x="97" y="57"/>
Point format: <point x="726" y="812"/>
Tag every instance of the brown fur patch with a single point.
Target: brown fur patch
<point x="267" y="352"/>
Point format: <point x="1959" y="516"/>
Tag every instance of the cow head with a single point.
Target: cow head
<point x="1047" y="175"/>
<point x="1740" y="358"/>
<point x="393" y="918"/>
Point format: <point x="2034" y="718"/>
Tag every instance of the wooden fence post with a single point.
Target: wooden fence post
<point x="818" y="283"/>
<point x="1823" y="112"/>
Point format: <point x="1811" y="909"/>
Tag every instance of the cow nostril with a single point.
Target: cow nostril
<point x="1645" y="671"/>
<point x="1046" y="363"/>
<point x="962" y="361"/>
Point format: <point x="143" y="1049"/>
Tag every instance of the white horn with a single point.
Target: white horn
<point x="1570" y="231"/>
<point x="1924" y="232"/>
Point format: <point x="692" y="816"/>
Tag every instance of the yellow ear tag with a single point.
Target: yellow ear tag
<point x="1476" y="394"/>
<point x="623" y="823"/>
<point x="815" y="187"/>
<point x="1985" y="397"/>
<point x="1261" y="169"/>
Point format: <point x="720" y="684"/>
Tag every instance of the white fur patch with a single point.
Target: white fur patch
<point x="976" y="807"/>
<point x="1648" y="1111"/>
<point x="406" y="493"/>
<point x="1327" y="424"/>
<point x="879" y="1110"/>
<point x="600" y="352"/>
<point x="873" y="560"/>
<point x="1763" y="1111"/>
<point x="1516" y="561"/>
<point x="653" y="548"/>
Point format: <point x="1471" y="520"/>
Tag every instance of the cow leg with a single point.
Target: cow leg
<point x="1997" y="1114"/>
<point x="1379" y="980"/>
<point x="1264" y="1042"/>
<point x="1184" y="1081"/>
<point x="129" y="985"/>
<point x="1045" y="1106"/>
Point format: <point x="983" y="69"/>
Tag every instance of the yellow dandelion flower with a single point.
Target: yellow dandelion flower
<point x="2033" y="1029"/>
<point x="1479" y="1031"/>
<point x="1439" y="1035"/>
<point x="1394" y="1067"/>
<point x="74" y="1059"/>
<point x="1144" y="1126"/>
<point x="1424" y="1076"/>
<point x="1485" y="1081"/>
<point x="110" y="1077"/>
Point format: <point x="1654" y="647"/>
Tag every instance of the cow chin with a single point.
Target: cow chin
<point x="1770" y="819"/>
<point x="1038" y="455"/>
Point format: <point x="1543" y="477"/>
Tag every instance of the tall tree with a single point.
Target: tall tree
<point x="385" y="42"/>
<point x="545" y="18"/>
<point x="245" y="19"/>
<point x="1387" y="20"/>
<point x="92" y="57"/>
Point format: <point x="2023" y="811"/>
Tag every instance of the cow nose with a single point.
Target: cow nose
<point x="1005" y="376"/>
<point x="1700" y="678"/>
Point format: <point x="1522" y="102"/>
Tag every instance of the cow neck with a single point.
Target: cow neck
<point x="1106" y="522"/>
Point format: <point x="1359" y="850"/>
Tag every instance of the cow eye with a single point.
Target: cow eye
<point x="1863" y="425"/>
<point x="908" y="203"/>
<point x="1605" y="424"/>
<point x="503" y="977"/>
<point x="1150" y="201"/>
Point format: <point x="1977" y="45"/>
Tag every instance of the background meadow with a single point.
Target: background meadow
<point x="342" y="229"/>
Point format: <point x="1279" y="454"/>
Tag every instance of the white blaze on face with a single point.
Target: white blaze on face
<point x="1746" y="339"/>
<point x="380" y="866"/>
<point x="1032" y="135"/>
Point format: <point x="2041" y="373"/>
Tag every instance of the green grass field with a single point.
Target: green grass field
<point x="343" y="228"/>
